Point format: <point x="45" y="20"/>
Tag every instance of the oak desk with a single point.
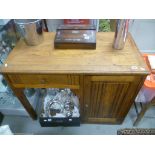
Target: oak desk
<point x="106" y="80"/>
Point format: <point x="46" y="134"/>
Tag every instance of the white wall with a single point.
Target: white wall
<point x="52" y="24"/>
<point x="143" y="32"/>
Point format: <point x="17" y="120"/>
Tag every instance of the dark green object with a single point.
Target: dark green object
<point x="104" y="25"/>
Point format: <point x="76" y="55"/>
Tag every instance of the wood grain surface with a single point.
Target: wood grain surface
<point x="104" y="60"/>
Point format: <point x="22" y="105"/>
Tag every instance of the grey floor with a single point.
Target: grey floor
<point x="25" y="125"/>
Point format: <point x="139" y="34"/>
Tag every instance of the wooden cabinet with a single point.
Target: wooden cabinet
<point x="108" y="98"/>
<point x="106" y="80"/>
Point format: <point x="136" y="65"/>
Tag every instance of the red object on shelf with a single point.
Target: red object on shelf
<point x="77" y="21"/>
<point x="150" y="80"/>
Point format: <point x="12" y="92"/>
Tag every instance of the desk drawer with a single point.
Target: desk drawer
<point x="44" y="81"/>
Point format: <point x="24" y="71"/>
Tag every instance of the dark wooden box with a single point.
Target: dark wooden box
<point x="75" y="37"/>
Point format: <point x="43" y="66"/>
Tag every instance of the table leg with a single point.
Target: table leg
<point x="19" y="92"/>
<point x="24" y="101"/>
<point x="141" y="114"/>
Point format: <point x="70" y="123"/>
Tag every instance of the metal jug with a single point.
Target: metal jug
<point x="31" y="30"/>
<point x="122" y="26"/>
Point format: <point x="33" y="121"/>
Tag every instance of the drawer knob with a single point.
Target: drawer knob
<point x="86" y="105"/>
<point x="43" y="81"/>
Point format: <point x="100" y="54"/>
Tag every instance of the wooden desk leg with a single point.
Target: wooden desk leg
<point x="19" y="92"/>
<point x="24" y="101"/>
<point x="141" y="114"/>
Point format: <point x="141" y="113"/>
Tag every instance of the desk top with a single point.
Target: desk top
<point x="103" y="60"/>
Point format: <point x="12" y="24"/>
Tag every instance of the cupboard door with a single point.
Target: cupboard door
<point x="105" y="96"/>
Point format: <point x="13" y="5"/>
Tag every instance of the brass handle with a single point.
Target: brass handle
<point x="43" y="81"/>
<point x="86" y="105"/>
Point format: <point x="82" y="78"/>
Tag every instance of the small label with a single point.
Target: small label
<point x="134" y="67"/>
<point x="6" y="65"/>
<point x="70" y="120"/>
<point x="49" y="120"/>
